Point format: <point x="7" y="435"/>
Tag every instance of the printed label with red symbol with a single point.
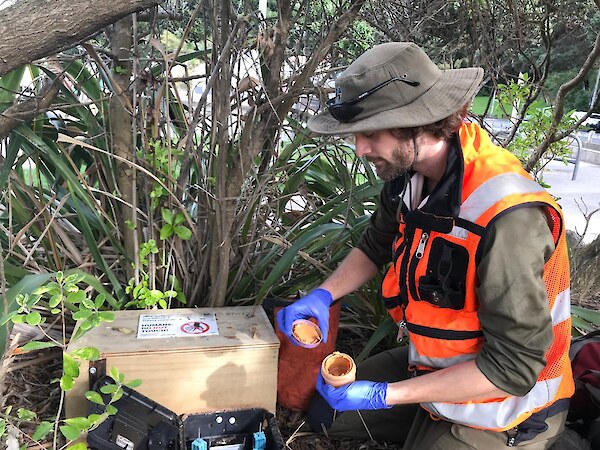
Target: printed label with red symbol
<point x="184" y="325"/>
<point x="195" y="327"/>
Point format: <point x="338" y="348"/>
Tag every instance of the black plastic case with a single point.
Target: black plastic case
<point x="142" y="424"/>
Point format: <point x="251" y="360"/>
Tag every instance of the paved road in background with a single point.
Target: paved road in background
<point x="575" y="196"/>
<point x="499" y="125"/>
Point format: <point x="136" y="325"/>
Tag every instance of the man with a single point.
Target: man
<point x="479" y="274"/>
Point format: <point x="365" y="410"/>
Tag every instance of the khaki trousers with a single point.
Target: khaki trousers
<point x="412" y="426"/>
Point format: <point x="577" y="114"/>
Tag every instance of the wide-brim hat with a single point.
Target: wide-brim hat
<point x="414" y="92"/>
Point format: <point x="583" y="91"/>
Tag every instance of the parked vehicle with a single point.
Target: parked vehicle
<point x="591" y="123"/>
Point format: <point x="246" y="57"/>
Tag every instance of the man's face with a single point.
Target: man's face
<point x="391" y="156"/>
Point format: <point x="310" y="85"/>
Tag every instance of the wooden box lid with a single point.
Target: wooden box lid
<point x="238" y="326"/>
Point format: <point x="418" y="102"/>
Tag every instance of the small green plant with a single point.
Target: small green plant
<point x="60" y="297"/>
<point x="74" y="428"/>
<point x="165" y="162"/>
<point x="142" y="294"/>
<point x="174" y="225"/>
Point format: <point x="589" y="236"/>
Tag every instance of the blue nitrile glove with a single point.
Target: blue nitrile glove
<point x="360" y="394"/>
<point x="315" y="304"/>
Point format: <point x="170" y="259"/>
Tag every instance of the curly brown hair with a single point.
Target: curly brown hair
<point x="442" y="129"/>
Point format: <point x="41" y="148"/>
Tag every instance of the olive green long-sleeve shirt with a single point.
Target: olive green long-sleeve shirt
<point x="514" y="312"/>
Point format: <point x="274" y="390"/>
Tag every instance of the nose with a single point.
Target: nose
<point x="361" y="145"/>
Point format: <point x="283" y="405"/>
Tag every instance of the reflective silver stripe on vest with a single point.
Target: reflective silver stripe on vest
<point x="435" y="363"/>
<point x="494" y="190"/>
<point x="496" y="415"/>
<point x="459" y="232"/>
<point x="561" y="310"/>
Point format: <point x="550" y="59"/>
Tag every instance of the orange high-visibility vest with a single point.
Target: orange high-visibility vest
<point x="430" y="287"/>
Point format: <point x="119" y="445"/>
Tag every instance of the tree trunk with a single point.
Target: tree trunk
<point x="59" y="24"/>
<point x="121" y="42"/>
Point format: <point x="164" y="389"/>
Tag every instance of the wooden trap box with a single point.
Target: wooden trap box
<point x="189" y="360"/>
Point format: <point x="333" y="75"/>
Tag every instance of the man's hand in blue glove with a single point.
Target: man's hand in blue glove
<point x="315" y="304"/>
<point x="360" y="394"/>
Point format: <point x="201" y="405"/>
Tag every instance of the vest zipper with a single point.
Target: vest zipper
<point x="401" y="328"/>
<point x="437" y="333"/>
<point x="403" y="279"/>
<point x="421" y="246"/>
<point x="413" y="265"/>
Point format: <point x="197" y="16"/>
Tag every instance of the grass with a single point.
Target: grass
<point x="480" y="102"/>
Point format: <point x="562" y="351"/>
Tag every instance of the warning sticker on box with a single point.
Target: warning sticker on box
<point x="177" y="325"/>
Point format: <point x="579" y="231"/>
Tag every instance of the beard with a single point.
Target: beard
<point x="400" y="162"/>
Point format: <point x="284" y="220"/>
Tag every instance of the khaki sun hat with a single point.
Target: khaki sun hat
<point x="395" y="85"/>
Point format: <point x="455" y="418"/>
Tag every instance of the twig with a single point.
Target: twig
<point x="365" y="425"/>
<point x="587" y="216"/>
<point x="291" y="438"/>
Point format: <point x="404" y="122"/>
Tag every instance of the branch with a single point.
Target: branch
<point x="33" y="29"/>
<point x="27" y="110"/>
<point x="551" y="135"/>
<point x="255" y="133"/>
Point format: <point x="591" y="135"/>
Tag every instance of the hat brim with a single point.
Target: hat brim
<point x="449" y="94"/>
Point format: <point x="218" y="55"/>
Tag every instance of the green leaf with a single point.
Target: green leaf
<point x="2" y="427"/>
<point x="183" y="232"/>
<point x="78" y="446"/>
<point x="99" y="300"/>
<point x="81" y="423"/>
<point x="12" y="151"/>
<point x="85" y="80"/>
<point x="106" y="316"/>
<point x="41" y="290"/>
<point x="166" y="231"/>
<point x="8" y="317"/>
<point x="111" y="410"/>
<point x="179" y="219"/>
<point x="88" y="303"/>
<point x="86" y="324"/>
<point x="10" y="84"/>
<point x="109" y="389"/>
<point x="55" y="300"/>
<point x="67" y="382"/>
<point x="70" y="432"/>
<point x="18" y="318"/>
<point x="42" y="430"/>
<point x="94" y="397"/>
<point x="77" y="297"/>
<point x="87" y="353"/>
<point x="37" y="345"/>
<point x="82" y="314"/>
<point x="70" y="366"/>
<point x="33" y="318"/>
<point x="72" y="288"/>
<point x="117" y="395"/>
<point x="95" y="418"/>
<point x="167" y="216"/>
<point x="71" y="279"/>
<point x="115" y="374"/>
<point x="587" y="314"/>
<point x="134" y="383"/>
<point x="26" y="414"/>
<point x="286" y="261"/>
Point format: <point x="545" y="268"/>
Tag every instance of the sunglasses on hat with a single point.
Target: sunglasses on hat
<point x="348" y="110"/>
